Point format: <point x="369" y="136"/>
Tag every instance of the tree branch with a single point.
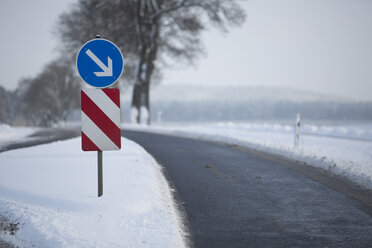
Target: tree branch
<point x="181" y="4"/>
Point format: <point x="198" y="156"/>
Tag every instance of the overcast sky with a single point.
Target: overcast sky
<point x="319" y="45"/>
<point x="27" y="43"/>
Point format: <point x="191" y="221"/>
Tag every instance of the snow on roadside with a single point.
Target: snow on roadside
<point x="9" y="135"/>
<point x="347" y="157"/>
<point x="51" y="190"/>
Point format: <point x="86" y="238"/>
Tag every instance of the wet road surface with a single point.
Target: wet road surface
<point x="234" y="198"/>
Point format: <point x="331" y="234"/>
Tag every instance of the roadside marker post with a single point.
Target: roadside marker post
<point x="100" y="64"/>
<point x="100" y="119"/>
<point x="297" y="131"/>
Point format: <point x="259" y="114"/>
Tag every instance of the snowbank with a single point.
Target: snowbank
<point x="343" y="150"/>
<point x="9" y="135"/>
<point x="51" y="190"/>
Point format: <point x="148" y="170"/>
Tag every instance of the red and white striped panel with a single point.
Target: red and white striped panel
<point x="100" y="120"/>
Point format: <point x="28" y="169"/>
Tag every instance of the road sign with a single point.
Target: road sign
<point x="100" y="63"/>
<point x="100" y="119"/>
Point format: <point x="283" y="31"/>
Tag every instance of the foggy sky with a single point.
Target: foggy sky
<point x="319" y="45"/>
<point x="323" y="46"/>
<point x="27" y="44"/>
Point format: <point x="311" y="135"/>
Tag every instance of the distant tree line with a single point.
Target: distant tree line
<point x="6" y="106"/>
<point x="262" y="110"/>
<point x="51" y="95"/>
<point x="42" y="100"/>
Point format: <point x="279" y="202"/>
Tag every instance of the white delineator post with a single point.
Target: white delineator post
<point x="297" y="131"/>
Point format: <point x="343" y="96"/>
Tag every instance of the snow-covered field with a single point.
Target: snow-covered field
<point x="51" y="190"/>
<point x="341" y="149"/>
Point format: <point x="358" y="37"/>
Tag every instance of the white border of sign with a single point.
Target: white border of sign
<point x="77" y="55"/>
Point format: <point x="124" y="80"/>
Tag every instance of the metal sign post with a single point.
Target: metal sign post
<point x="100" y="173"/>
<point x="100" y="64"/>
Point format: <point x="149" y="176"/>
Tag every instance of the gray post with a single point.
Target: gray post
<point x="100" y="172"/>
<point x="297" y="131"/>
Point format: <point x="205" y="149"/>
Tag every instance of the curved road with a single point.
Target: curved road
<point x="43" y="136"/>
<point x="234" y="198"/>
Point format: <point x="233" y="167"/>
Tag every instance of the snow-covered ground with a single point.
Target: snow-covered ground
<point x="341" y="149"/>
<point x="9" y="135"/>
<point x="51" y="190"/>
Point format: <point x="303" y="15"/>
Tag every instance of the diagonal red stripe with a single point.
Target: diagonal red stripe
<point x="114" y="95"/>
<point x="87" y="144"/>
<point x="104" y="123"/>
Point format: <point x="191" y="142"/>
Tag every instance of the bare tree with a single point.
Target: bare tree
<point x="50" y="96"/>
<point x="149" y="32"/>
<point x="6" y="102"/>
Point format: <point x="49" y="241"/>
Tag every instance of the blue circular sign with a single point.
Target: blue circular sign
<point x="100" y="63"/>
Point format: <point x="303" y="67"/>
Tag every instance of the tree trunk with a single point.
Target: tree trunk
<point x="136" y="103"/>
<point x="145" y="99"/>
<point x="141" y="88"/>
<point x="148" y="33"/>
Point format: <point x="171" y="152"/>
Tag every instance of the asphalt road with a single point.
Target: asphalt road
<point x="234" y="198"/>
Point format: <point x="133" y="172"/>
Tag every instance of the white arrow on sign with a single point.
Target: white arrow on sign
<point x="106" y="70"/>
